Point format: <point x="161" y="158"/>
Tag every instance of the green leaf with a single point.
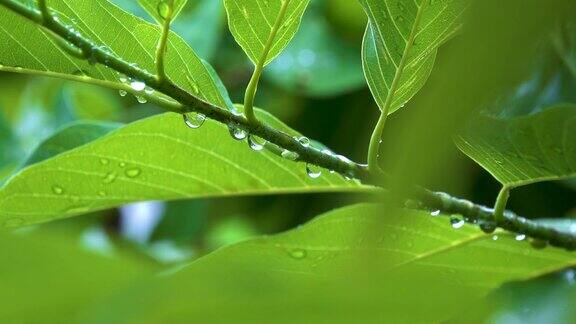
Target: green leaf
<point x="360" y="263"/>
<point x="158" y="158"/>
<point x="316" y="54"/>
<point x="526" y="149"/>
<point x="94" y="103"/>
<point x="157" y="8"/>
<point x="401" y="43"/>
<point x="33" y="51"/>
<point x="253" y="22"/>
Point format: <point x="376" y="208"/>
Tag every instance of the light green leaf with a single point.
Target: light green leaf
<point x="93" y="103"/>
<point x="32" y="51"/>
<point x="401" y="43"/>
<point x="157" y="8"/>
<point x="158" y="158"/>
<point x="253" y="23"/>
<point x="526" y="149"/>
<point x="357" y="264"/>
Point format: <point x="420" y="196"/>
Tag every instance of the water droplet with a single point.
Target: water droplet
<point x="520" y="237"/>
<point x="149" y="91"/>
<point x="137" y="85"/>
<point x="109" y="178"/>
<point x="141" y="99"/>
<point x="293" y="156"/>
<point x="164" y="9"/>
<point x="13" y="222"/>
<point x="304" y="141"/>
<point x="122" y="164"/>
<point x="313" y="171"/>
<point x="298" y="254"/>
<point x="133" y="173"/>
<point x="57" y="190"/>
<point x="487" y="227"/>
<point x="456" y="222"/>
<point x="104" y="161"/>
<point x="237" y="132"/>
<point x="256" y="143"/>
<point x="102" y="193"/>
<point x="122" y="93"/>
<point x="194" y="120"/>
<point x="494" y="237"/>
<point x="435" y="213"/>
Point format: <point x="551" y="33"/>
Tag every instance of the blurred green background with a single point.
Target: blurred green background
<point x="317" y="87"/>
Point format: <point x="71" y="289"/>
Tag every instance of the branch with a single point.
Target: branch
<point x="186" y="102"/>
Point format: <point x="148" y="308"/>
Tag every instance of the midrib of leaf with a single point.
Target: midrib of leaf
<point x="405" y="54"/>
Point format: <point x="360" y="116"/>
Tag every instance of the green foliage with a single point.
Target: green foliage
<point x="527" y="149"/>
<point x="255" y="23"/>
<point x="223" y="177"/>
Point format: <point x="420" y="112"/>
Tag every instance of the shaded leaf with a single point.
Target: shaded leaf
<point x="252" y="22"/>
<point x="524" y="150"/>
<point x="362" y="263"/>
<point x="158" y="158"/>
<point x="401" y="42"/>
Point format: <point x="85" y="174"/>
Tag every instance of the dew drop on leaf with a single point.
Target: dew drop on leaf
<point x="298" y="254"/>
<point x="194" y="120"/>
<point x="57" y="190"/>
<point x="104" y="161"/>
<point x="520" y="237"/>
<point x="435" y="213"/>
<point x="256" y="143"/>
<point x="313" y="171"/>
<point x="133" y="173"/>
<point x="456" y="222"/>
<point x="494" y="237"/>
<point x="109" y="178"/>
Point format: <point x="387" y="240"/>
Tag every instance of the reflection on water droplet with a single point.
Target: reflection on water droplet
<point x="133" y="173"/>
<point x="256" y="143"/>
<point x="13" y="222"/>
<point x="304" y="141"/>
<point x="137" y="85"/>
<point x="194" y="120"/>
<point x="494" y="237"/>
<point x="435" y="213"/>
<point x="141" y="99"/>
<point x="237" y="132"/>
<point x="109" y="178"/>
<point x="487" y="227"/>
<point x="122" y="93"/>
<point x="298" y="254"/>
<point x="456" y="222"/>
<point x="313" y="171"/>
<point x="57" y="190"/>
<point x="292" y="156"/>
<point x="520" y="237"/>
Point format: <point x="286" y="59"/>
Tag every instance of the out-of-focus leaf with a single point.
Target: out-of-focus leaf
<point x="48" y="279"/>
<point x="252" y="24"/>
<point x="94" y="103"/>
<point x="317" y="62"/>
<point x="157" y="8"/>
<point x="158" y="158"/>
<point x="524" y="150"/>
<point x="344" y="265"/>
<point x="401" y="42"/>
<point x="10" y="153"/>
<point x="101" y="21"/>
<point x="68" y="138"/>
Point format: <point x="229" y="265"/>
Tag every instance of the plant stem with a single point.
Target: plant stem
<point x="185" y="102"/>
<point x="253" y="85"/>
<point x="501" y="202"/>
<point x="374" y="145"/>
<point x="163" y="43"/>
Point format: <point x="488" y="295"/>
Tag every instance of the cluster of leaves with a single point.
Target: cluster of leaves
<point x="92" y="166"/>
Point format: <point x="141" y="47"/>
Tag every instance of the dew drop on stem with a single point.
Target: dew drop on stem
<point x="237" y="133"/>
<point x="304" y="141"/>
<point x="163" y="9"/>
<point x="141" y="99"/>
<point x="313" y="171"/>
<point x="194" y="120"/>
<point x="292" y="156"/>
<point x="456" y="222"/>
<point x="137" y="85"/>
<point x="256" y="143"/>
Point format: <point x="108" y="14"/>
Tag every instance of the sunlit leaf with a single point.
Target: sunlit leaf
<point x="33" y="51"/>
<point x="401" y="42"/>
<point x="524" y="150"/>
<point x="158" y="158"/>
<point x="252" y="22"/>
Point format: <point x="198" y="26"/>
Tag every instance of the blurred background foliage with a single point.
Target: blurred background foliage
<point x="317" y="87"/>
